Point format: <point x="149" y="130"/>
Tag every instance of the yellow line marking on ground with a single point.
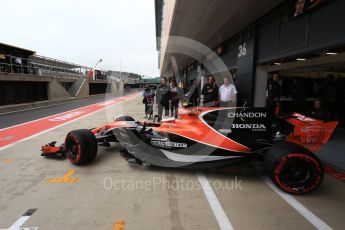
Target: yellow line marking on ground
<point x="119" y="225"/>
<point x="7" y="161"/>
<point x="65" y="179"/>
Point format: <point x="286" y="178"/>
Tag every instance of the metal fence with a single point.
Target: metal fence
<point x="40" y="65"/>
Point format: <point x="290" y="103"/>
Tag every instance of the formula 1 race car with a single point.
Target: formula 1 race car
<point x="204" y="138"/>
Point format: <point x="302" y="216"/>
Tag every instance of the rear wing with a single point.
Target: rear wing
<point x="310" y="132"/>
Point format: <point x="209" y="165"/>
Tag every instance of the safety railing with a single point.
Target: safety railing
<point x="39" y="65"/>
<point x="73" y="91"/>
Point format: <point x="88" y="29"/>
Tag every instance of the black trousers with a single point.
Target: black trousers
<point x="160" y="110"/>
<point x="174" y="110"/>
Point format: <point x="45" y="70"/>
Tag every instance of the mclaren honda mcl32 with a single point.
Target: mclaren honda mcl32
<point x="204" y="138"/>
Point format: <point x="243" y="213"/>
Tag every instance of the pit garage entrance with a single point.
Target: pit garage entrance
<point x="309" y="79"/>
<point x="316" y="76"/>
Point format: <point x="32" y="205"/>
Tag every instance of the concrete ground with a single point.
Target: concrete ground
<point x="98" y="195"/>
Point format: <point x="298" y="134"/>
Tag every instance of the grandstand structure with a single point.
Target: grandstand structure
<point x="18" y="60"/>
<point x="26" y="77"/>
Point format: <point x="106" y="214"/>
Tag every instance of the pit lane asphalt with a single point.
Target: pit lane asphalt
<point x="108" y="190"/>
<point x="19" y="117"/>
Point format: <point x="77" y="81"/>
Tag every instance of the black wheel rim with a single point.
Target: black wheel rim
<point x="298" y="172"/>
<point x="72" y="150"/>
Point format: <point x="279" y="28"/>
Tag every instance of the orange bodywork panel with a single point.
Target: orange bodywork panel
<point x="118" y="124"/>
<point x="192" y="126"/>
<point x="309" y="132"/>
<point x="50" y="149"/>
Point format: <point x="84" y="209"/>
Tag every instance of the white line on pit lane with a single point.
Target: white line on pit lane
<point x="62" y="103"/>
<point x="53" y="128"/>
<point x="306" y="213"/>
<point x="217" y="209"/>
<point x="21" y="220"/>
<point x="60" y="113"/>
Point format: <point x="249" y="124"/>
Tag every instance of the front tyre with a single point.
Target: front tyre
<point x="293" y="168"/>
<point x="81" y="146"/>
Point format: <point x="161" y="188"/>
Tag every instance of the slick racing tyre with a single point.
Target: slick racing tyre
<point x="81" y="146"/>
<point x="293" y="168"/>
<point x="125" y="118"/>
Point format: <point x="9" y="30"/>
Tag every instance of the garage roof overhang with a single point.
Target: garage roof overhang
<point x="15" y="51"/>
<point x="212" y="22"/>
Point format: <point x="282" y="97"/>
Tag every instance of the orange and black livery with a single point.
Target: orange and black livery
<point x="206" y="138"/>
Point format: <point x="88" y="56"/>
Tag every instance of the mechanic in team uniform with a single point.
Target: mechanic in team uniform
<point x="274" y="93"/>
<point x="210" y="92"/>
<point x="176" y="94"/>
<point x="318" y="112"/>
<point x="162" y="98"/>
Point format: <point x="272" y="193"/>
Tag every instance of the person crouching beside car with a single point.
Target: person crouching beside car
<point x="317" y="112"/>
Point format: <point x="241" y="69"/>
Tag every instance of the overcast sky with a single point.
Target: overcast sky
<point x="83" y="31"/>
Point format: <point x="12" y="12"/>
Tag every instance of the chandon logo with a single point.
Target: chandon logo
<point x="247" y="115"/>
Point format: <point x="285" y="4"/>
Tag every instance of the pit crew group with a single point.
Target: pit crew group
<point x="325" y="104"/>
<point x="168" y="96"/>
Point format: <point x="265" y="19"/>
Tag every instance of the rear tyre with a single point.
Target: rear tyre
<point x="293" y="168"/>
<point x="125" y="118"/>
<point x="81" y="146"/>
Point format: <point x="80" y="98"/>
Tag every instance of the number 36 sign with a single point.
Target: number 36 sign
<point x="242" y="50"/>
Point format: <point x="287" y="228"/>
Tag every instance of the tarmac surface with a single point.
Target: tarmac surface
<point x="54" y="194"/>
<point x="333" y="151"/>
<point x="19" y="117"/>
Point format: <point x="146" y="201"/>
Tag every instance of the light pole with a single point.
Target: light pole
<point x="94" y="68"/>
<point x="121" y="71"/>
